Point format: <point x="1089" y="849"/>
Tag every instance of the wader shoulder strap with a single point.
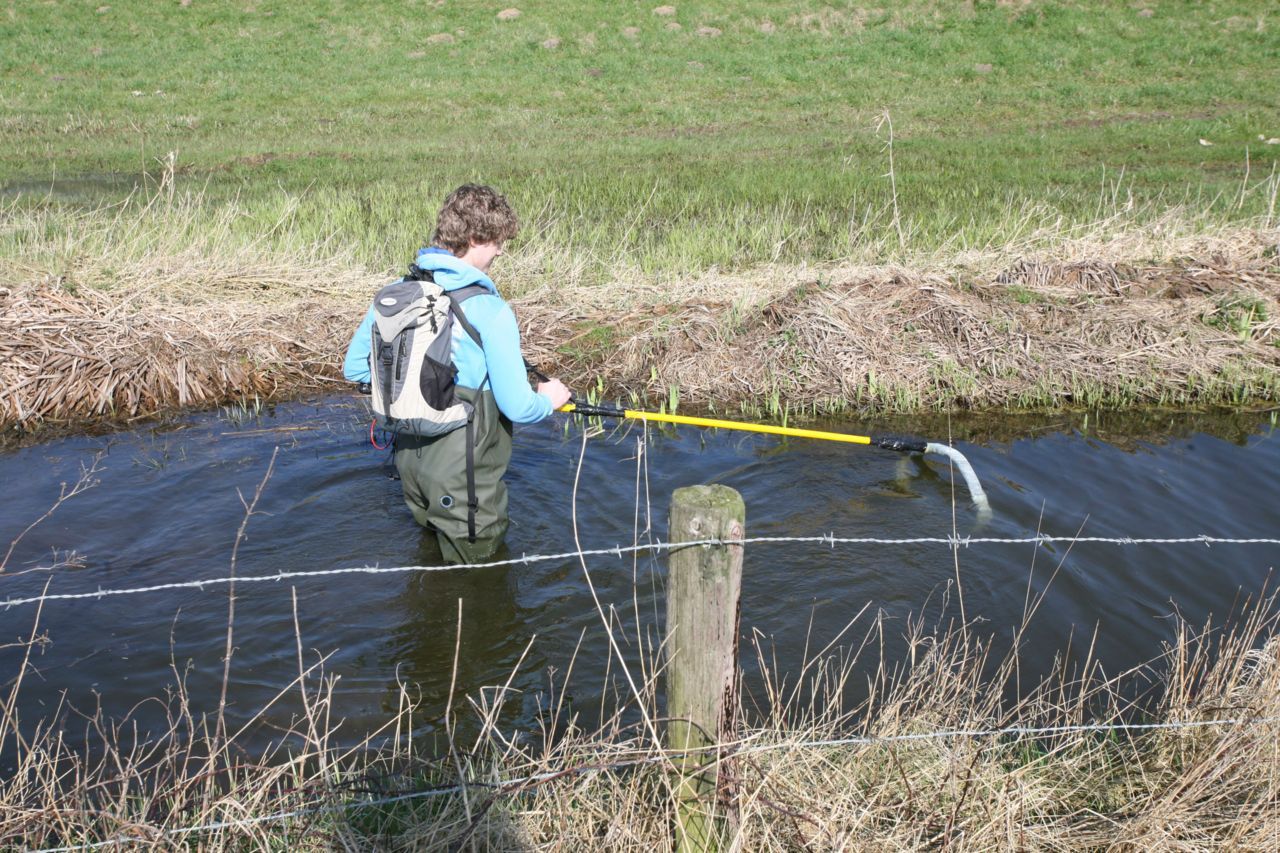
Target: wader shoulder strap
<point x="473" y="501"/>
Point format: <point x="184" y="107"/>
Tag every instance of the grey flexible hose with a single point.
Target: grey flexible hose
<point x="976" y="492"/>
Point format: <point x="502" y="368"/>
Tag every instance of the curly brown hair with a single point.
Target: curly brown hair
<point x="474" y="213"/>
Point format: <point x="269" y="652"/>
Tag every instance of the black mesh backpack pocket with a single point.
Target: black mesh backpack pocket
<point x="436" y="382"/>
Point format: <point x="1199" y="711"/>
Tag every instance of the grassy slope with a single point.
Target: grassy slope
<point x="667" y="150"/>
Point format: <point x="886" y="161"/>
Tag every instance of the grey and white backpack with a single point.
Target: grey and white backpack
<point x="411" y="370"/>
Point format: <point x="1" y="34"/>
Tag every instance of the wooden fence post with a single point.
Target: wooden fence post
<point x="704" y="586"/>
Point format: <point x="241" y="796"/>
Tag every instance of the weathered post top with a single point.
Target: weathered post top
<point x="706" y="512"/>
<point x="714" y="496"/>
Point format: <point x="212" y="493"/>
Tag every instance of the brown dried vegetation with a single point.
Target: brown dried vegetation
<point x="90" y="355"/>
<point x="1195" y="329"/>
<point x="1034" y="335"/>
<point x="934" y="757"/>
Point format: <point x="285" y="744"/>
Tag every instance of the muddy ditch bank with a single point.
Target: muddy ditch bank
<point x="1030" y="335"/>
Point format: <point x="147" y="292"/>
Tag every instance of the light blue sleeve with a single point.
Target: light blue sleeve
<point x="496" y="324"/>
<point x="355" y="367"/>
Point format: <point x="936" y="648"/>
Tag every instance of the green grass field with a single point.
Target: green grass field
<point x="725" y="134"/>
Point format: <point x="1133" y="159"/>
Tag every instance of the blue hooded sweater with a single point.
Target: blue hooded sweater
<point x="492" y="317"/>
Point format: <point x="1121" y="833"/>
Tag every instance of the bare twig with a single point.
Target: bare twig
<point x="86" y="481"/>
<point x="249" y="508"/>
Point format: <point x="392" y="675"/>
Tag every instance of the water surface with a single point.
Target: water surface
<point x="170" y="499"/>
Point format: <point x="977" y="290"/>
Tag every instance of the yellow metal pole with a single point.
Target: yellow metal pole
<point x="902" y="445"/>
<point x="735" y="425"/>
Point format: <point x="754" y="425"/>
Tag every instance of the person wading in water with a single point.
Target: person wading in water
<point x="452" y="480"/>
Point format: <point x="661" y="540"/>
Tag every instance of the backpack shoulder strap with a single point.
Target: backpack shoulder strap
<point x="458" y="297"/>
<point x="462" y="294"/>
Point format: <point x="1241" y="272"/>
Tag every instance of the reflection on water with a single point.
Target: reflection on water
<point x="167" y="509"/>
<point x="87" y="189"/>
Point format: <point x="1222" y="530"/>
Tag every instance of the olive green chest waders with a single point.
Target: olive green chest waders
<point x="453" y="482"/>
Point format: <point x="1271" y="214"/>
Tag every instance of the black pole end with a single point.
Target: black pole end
<point x="902" y="445"/>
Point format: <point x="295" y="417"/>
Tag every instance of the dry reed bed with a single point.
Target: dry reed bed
<point x="1021" y="334"/>
<point x="92" y="355"/>
<point x="1206" y="788"/>
<point x="1032" y="335"/>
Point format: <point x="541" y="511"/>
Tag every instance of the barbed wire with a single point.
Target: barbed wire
<point x="515" y="785"/>
<point x="955" y="542"/>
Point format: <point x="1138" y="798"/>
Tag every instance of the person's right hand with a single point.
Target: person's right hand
<point x="555" y="391"/>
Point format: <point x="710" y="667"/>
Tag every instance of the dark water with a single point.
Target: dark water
<point x="168" y="504"/>
<point x="90" y="189"/>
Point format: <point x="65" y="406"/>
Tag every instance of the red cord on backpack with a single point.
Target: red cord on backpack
<point x="373" y="440"/>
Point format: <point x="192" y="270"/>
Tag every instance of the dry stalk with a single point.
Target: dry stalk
<point x="249" y="507"/>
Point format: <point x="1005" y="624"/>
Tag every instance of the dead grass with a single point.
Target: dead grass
<point x="91" y="355"/>
<point x="125" y="321"/>
<point x="119" y="320"/>
<point x="893" y="783"/>
<point x="1006" y="335"/>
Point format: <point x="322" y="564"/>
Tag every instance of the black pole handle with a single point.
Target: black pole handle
<point x="537" y="374"/>
<point x="542" y="377"/>
<point x="902" y="445"/>
<point x="591" y="411"/>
